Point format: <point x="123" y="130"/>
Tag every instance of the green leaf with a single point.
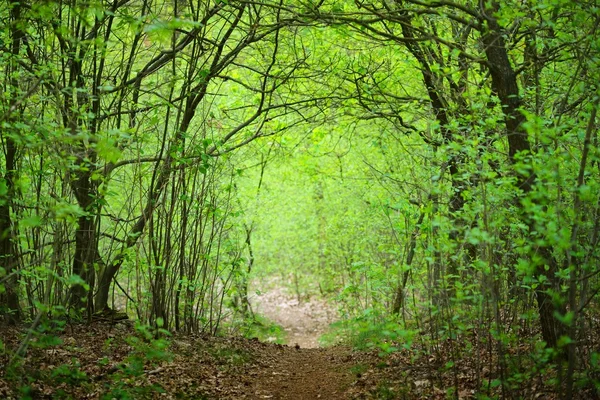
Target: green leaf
<point x="3" y="188"/>
<point x="108" y="150"/>
<point x="30" y="222"/>
<point x="76" y="280"/>
<point x="566" y="319"/>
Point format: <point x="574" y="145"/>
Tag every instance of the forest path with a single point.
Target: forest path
<point x="304" y="321"/>
<point x="299" y="374"/>
<point x="300" y="370"/>
<point x="194" y="367"/>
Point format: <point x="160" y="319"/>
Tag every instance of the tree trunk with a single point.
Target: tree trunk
<point x="399" y="298"/>
<point x="107" y="273"/>
<point x="504" y="82"/>
<point x="243" y="289"/>
<point x="439" y="105"/>
<point x="9" y="300"/>
<point x="86" y="244"/>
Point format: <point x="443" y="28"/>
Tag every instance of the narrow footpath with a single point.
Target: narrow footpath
<point x="301" y="370"/>
<point x="303" y="321"/>
<point x="304" y="374"/>
<point x="102" y="360"/>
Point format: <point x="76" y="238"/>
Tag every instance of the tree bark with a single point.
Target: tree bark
<point x="9" y="300"/>
<point x="504" y="82"/>
<point x="399" y="298"/>
<point x="439" y="105"/>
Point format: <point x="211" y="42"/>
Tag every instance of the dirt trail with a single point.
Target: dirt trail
<point x="300" y="370"/>
<point x="304" y="322"/>
<point x="298" y="374"/>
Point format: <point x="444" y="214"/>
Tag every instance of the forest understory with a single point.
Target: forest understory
<point x="115" y="360"/>
<point x="327" y="199"/>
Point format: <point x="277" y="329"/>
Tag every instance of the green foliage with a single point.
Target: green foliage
<point x="158" y="159"/>
<point x="230" y="357"/>
<point x="150" y="348"/>
<point x="372" y="331"/>
<point x="385" y="392"/>
<point x="69" y="374"/>
<point x="261" y="328"/>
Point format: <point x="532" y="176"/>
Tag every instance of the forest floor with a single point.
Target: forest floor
<point x="114" y="361"/>
<point x="105" y="360"/>
<point x="96" y="361"/>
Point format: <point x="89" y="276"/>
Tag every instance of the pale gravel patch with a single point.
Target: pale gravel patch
<point x="304" y="321"/>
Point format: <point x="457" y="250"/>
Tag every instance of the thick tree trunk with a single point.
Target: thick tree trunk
<point x="101" y="298"/>
<point x="86" y="244"/>
<point x="505" y="84"/>
<point x="9" y="300"/>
